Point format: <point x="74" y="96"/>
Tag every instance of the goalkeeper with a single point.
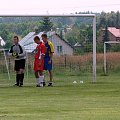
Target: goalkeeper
<point x="18" y="52"/>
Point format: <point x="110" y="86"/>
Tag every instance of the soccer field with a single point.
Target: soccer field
<point x="64" y="101"/>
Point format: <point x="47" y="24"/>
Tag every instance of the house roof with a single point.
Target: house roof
<point x="28" y="40"/>
<point x="65" y="41"/>
<point x="2" y="42"/>
<point x="77" y="44"/>
<point x="114" y="31"/>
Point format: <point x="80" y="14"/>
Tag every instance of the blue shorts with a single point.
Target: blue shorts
<point x="46" y="65"/>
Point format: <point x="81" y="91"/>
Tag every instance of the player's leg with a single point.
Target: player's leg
<point x="44" y="83"/>
<point x="37" y="78"/>
<point x="21" y="73"/>
<point x="22" y="67"/>
<point x="41" y="75"/>
<point x="45" y="68"/>
<point x="49" y="68"/>
<point x="41" y="78"/>
<point x="51" y="78"/>
<point x="17" y="79"/>
<point x="36" y="72"/>
<point x="16" y="68"/>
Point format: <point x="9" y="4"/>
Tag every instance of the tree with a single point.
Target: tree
<point x="106" y="34"/>
<point x="106" y="37"/>
<point x="118" y="20"/>
<point x="46" y="25"/>
<point x="102" y="20"/>
<point x="7" y="36"/>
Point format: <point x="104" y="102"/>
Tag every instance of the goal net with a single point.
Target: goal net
<point x="111" y="56"/>
<point x="74" y="40"/>
<point x="4" y="68"/>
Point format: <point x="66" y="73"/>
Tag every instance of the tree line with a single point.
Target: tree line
<point x="72" y="29"/>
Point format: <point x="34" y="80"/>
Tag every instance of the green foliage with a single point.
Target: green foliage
<point x="111" y="19"/>
<point x="100" y="47"/>
<point x="46" y="25"/>
<point x="88" y="47"/>
<point x="8" y="30"/>
<point x="115" y="48"/>
<point x="106" y="38"/>
<point x="81" y="27"/>
<point x="7" y="36"/>
<point x="81" y="34"/>
<point x="74" y="35"/>
<point x="117" y="19"/>
<point x="79" y="51"/>
<point x="106" y="34"/>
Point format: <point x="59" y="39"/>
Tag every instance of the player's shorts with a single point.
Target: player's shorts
<point x="19" y="64"/>
<point x="38" y="67"/>
<point x="46" y="65"/>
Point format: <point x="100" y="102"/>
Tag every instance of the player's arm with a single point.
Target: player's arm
<point x="22" y="54"/>
<point x="51" y="52"/>
<point x="51" y="56"/>
<point x="43" y="51"/>
<point x="34" y="51"/>
<point x="42" y="54"/>
<point x="10" y="51"/>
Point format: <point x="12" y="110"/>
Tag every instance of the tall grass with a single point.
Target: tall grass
<point x="74" y="63"/>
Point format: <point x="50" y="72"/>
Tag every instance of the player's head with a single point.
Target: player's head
<point x="37" y="39"/>
<point x="15" y="39"/>
<point x="44" y="37"/>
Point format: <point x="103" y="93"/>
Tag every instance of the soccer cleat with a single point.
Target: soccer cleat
<point x="41" y="84"/>
<point x="16" y="84"/>
<point x="44" y="84"/>
<point x="50" y="85"/>
<point x="20" y="85"/>
<point x="37" y="85"/>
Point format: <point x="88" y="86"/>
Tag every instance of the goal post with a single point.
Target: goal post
<point x="94" y="49"/>
<point x="105" y="59"/>
<point x="6" y="63"/>
<point x="71" y="15"/>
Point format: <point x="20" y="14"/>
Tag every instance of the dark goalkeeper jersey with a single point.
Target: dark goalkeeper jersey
<point x="19" y="50"/>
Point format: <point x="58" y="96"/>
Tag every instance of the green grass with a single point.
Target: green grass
<point x="64" y="101"/>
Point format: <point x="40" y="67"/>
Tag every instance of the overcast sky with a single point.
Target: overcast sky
<point x="56" y="6"/>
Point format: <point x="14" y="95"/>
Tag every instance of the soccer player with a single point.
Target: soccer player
<point x="39" y="61"/>
<point x="18" y="52"/>
<point x="48" y="57"/>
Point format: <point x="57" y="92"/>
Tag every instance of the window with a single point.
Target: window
<point x="117" y="38"/>
<point x="59" y="49"/>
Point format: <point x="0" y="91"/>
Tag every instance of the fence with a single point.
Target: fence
<point x="71" y="65"/>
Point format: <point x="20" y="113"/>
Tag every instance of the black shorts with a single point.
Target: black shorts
<point x="19" y="64"/>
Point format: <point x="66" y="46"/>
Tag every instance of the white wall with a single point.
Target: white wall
<point x="66" y="49"/>
<point x="2" y="43"/>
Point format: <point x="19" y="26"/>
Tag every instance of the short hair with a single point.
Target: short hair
<point x="16" y="37"/>
<point x="36" y="38"/>
<point x="44" y="35"/>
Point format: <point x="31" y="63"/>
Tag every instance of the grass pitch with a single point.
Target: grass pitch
<point x="64" y="101"/>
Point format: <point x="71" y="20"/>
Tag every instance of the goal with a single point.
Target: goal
<point x="3" y="60"/>
<point x="105" y="49"/>
<point x="93" y="51"/>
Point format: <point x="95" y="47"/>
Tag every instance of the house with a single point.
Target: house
<point x="2" y="42"/>
<point x="78" y="45"/>
<point x="61" y="46"/>
<point x="114" y="34"/>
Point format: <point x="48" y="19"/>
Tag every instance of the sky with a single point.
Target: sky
<point x="37" y="7"/>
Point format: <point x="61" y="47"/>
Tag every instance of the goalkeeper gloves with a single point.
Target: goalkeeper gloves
<point x="14" y="54"/>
